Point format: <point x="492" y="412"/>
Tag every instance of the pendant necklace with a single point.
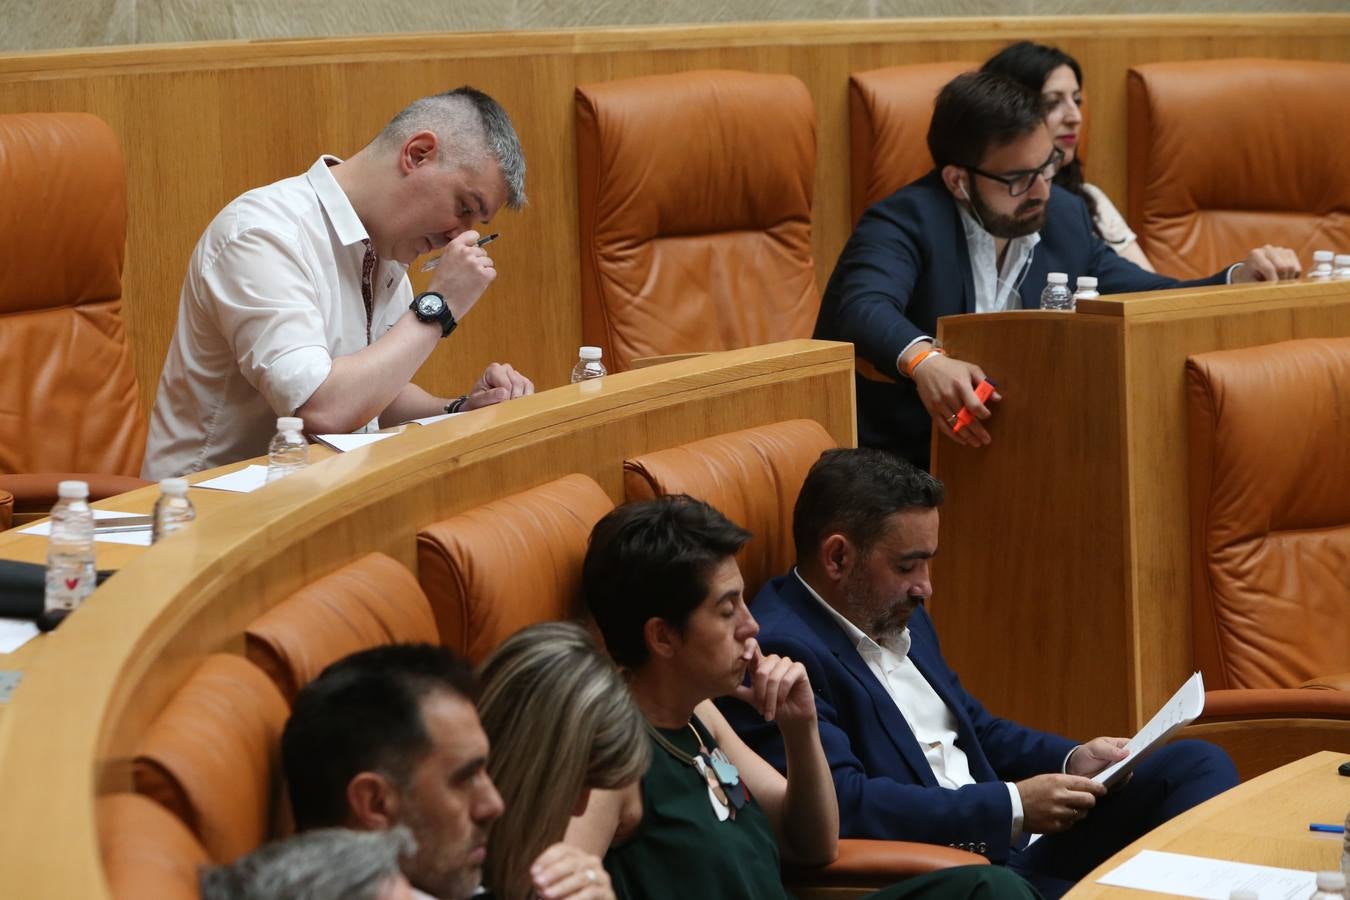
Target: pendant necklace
<point x="726" y="791"/>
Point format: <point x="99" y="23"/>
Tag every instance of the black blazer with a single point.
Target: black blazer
<point x="906" y="264"/>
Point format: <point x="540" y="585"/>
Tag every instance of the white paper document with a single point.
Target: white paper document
<point x="139" y="538"/>
<point x="1215" y="879"/>
<point x="432" y="420"/>
<point x="245" y="481"/>
<point x="14" y="633"/>
<point x="346" y="442"/>
<point x="1183" y="709"/>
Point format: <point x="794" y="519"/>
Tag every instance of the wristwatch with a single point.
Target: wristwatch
<point x="430" y="306"/>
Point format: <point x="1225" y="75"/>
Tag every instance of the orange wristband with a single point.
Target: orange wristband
<point x="914" y="363"/>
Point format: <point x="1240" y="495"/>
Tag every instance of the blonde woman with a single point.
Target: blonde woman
<point x="561" y="722"/>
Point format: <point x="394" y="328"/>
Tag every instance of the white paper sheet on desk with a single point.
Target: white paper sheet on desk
<point x="1183" y="709"/>
<point x="1196" y="876"/>
<point x="133" y="538"/>
<point x="245" y="481"/>
<point x="343" y="443"/>
<point x="432" y="420"/>
<point x="14" y="633"/>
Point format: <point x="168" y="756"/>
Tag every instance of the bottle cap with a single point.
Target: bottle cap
<point x="290" y="423"/>
<point x="1342" y="259"/>
<point x="1323" y="256"/>
<point x="1331" y="881"/>
<point x="1087" y="282"/>
<point x="173" y="487"/>
<point x="590" y="353"/>
<point x="72" y="490"/>
<point x="1057" y="278"/>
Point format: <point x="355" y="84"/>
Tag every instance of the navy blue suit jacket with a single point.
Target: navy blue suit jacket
<point x="907" y="264"/>
<point x="885" y="786"/>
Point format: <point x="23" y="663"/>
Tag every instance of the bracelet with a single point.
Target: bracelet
<point x="914" y="363"/>
<point x="456" y="405"/>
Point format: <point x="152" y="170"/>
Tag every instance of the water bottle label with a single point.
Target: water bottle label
<point x="66" y="590"/>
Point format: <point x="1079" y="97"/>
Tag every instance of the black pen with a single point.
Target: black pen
<point x="482" y="241"/>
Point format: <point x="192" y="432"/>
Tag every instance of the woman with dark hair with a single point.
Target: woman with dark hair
<point x="1059" y="79"/>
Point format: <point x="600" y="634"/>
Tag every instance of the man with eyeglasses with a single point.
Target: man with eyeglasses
<point x="977" y="234"/>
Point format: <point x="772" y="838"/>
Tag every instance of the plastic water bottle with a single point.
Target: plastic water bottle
<point x="1056" y="294"/>
<point x="588" y="364"/>
<point x="1330" y="886"/>
<point x="70" y="549"/>
<point x="288" y="453"/>
<point x="1342" y="270"/>
<point x="1085" y="289"/>
<point x="1322" y="260"/>
<point x="173" y="509"/>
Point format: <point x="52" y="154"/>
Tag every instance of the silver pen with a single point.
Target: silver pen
<point x="481" y="242"/>
<point x="124" y="523"/>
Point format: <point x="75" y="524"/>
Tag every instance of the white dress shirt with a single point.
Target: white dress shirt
<point x="933" y="724"/>
<point x="272" y="295"/>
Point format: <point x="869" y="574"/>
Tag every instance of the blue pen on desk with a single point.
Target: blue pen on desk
<point x="482" y="241"/>
<point x="1327" y="829"/>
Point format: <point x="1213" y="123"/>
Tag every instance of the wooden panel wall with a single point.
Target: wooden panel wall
<point x="200" y="124"/>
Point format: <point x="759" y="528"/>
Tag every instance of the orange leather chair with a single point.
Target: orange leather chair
<point x="510" y="563"/>
<point x="752" y="477"/>
<point x="146" y="850"/>
<point x="212" y="757"/>
<point x="69" y="406"/>
<point x="6" y="509"/>
<point x="1276" y="175"/>
<point x="367" y="603"/>
<point x="695" y="213"/>
<point x="1270" y="545"/>
<point x="888" y="115"/>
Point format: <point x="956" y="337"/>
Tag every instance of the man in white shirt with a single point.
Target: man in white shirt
<point x="914" y="757"/>
<point x="297" y="299"/>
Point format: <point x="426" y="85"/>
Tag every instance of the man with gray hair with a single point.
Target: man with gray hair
<point x="328" y="864"/>
<point x="297" y="299"/>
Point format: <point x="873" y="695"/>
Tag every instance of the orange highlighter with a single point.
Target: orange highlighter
<point x="964" y="417"/>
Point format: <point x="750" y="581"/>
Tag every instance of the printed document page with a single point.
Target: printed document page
<point x="1214" y="879"/>
<point x="1183" y="709"/>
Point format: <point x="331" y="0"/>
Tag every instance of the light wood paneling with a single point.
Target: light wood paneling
<point x="1062" y="591"/>
<point x="90" y="688"/>
<point x="200" y="124"/>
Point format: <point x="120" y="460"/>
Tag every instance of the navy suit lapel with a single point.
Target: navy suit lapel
<point x="829" y="632"/>
<point x="921" y="654"/>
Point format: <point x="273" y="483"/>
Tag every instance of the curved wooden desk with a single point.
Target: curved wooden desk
<point x="89" y="688"/>
<point x="1263" y="821"/>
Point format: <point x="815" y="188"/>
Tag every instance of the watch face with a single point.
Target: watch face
<point x="430" y="305"/>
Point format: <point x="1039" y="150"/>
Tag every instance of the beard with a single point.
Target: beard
<point x="881" y="618"/>
<point x="1029" y="217"/>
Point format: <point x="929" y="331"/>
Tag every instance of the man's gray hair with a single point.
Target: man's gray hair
<point x="471" y="127"/>
<point x="325" y="864"/>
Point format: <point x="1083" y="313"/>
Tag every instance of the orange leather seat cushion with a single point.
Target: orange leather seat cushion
<point x="1270" y="512"/>
<point x="6" y="509"/>
<point x="752" y="477"/>
<point x="1276" y="175"/>
<point x="212" y="756"/>
<point x="147" y="852"/>
<point x="372" y="601"/>
<point x="695" y="213"/>
<point x="510" y="563"/>
<point x="69" y="402"/>
<point x="889" y="111"/>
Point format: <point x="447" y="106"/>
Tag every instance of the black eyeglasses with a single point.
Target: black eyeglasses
<point x="1018" y="183"/>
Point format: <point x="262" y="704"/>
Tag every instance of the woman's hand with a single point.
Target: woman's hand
<point x="563" y="871"/>
<point x="779" y="688"/>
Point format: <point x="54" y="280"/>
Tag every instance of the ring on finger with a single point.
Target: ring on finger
<point x="951" y="420"/>
<point x="591" y="876"/>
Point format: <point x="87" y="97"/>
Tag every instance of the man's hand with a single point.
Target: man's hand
<point x="1090" y="758"/>
<point x="1268" y="263"/>
<point x="779" y="688"/>
<point x="497" y="383"/>
<point x="1052" y="803"/>
<point x="564" y="871"/>
<point x="462" y="274"/>
<point x="945" y="386"/>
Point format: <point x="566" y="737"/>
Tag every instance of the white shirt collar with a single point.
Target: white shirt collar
<point x="996" y="290"/>
<point x="865" y="646"/>
<point x="347" y="225"/>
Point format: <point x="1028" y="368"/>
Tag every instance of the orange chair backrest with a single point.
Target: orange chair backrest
<point x="1270" y="512"/>
<point x="147" y="851"/>
<point x="695" y="213"/>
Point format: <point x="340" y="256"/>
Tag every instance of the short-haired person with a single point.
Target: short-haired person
<point x="325" y="864"/>
<point x="297" y="299"/>
<point x="561" y="723"/>
<point x="977" y="234"/>
<point x="389" y="736"/>
<point x="915" y="757"/>
<point x="711" y="818"/>
<point x="1058" y="78"/>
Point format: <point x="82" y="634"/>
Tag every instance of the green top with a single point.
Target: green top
<point x="681" y="849"/>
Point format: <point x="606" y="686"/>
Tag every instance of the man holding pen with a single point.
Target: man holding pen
<point x="297" y="299"/>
